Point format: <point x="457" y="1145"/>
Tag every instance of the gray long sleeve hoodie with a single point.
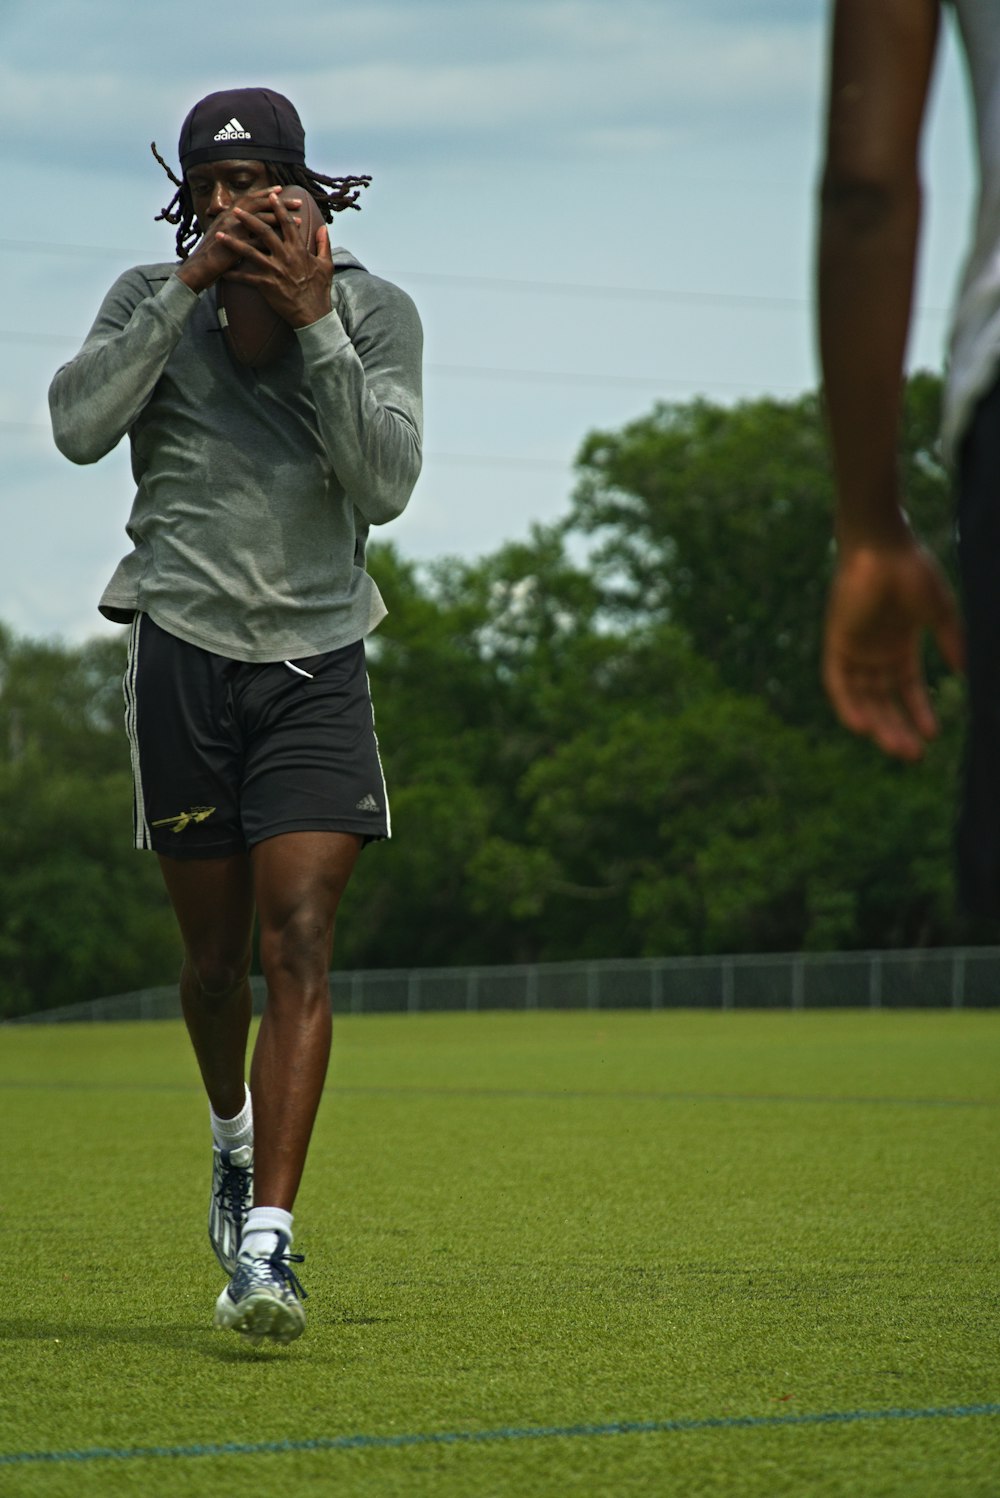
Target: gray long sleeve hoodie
<point x="255" y="488"/>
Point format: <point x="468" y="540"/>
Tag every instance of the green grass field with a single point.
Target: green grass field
<point x="531" y="1233"/>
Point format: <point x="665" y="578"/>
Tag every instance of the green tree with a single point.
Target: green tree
<point x="81" y="913"/>
<point x="718" y="519"/>
<point x="63" y="702"/>
<point x="716" y="827"/>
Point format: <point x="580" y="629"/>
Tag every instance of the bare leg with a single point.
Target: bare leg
<point x="213" y="903"/>
<point x="299" y="878"/>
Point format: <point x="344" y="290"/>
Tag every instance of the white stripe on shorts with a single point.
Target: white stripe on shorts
<point x="385" y="788"/>
<point x="140" y="827"/>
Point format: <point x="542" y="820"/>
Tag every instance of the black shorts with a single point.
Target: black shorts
<point x="225" y="754"/>
<point x="979" y="563"/>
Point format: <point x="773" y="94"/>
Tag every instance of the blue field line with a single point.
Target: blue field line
<point x="488" y="1437"/>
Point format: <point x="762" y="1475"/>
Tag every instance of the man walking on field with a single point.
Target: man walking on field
<point x="256" y="769"/>
<point x="887" y="590"/>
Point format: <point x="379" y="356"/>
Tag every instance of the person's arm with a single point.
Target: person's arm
<point x="887" y="590"/>
<point x="363" y="368"/>
<point x="366" y="383"/>
<point x="96" y="397"/>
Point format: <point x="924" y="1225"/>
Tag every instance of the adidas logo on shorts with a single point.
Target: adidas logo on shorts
<point x="367" y="803"/>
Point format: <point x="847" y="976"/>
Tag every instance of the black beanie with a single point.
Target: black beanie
<point x="243" y="124"/>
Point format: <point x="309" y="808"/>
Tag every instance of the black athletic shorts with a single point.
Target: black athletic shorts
<point x="225" y="754"/>
<point x="979" y="563"/>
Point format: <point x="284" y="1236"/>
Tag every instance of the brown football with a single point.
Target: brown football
<point x="255" y="334"/>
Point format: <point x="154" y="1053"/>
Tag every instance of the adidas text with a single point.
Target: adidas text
<point x="233" y="131"/>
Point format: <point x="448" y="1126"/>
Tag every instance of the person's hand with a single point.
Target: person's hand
<point x="293" y="278"/>
<point x="882" y="600"/>
<point x="226" y="239"/>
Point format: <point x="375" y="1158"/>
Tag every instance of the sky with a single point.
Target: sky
<point x="596" y="205"/>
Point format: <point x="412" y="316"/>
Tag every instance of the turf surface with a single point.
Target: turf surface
<point x="527" y="1237"/>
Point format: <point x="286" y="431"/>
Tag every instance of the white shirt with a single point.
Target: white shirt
<point x="974" y="352"/>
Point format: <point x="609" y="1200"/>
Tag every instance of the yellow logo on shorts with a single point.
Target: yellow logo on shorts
<point x="185" y="818"/>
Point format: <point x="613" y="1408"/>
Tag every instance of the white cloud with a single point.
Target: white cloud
<point x="445" y="78"/>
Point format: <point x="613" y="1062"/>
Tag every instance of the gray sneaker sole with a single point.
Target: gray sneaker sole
<point x="261" y="1315"/>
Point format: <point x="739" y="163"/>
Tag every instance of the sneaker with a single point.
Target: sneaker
<point x="264" y="1297"/>
<point x="232" y="1198"/>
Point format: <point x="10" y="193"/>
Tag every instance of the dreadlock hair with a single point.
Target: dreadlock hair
<point x="344" y="192"/>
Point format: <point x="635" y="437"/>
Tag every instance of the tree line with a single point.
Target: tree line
<point x="605" y="740"/>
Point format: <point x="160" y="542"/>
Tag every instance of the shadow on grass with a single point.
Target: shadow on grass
<point x="204" y="1340"/>
<point x="74" y="1333"/>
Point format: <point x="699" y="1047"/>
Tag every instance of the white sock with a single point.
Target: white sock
<point x="231" y="1133"/>
<point x="260" y="1233"/>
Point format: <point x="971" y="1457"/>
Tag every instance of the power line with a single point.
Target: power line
<point x="558" y="377"/>
<point x="477" y="460"/>
<point x="620" y="293"/>
<point x="575" y="377"/>
<point x="663" y="295"/>
<point x="495" y="283"/>
<point x="474" y="460"/>
<point x="49" y="340"/>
